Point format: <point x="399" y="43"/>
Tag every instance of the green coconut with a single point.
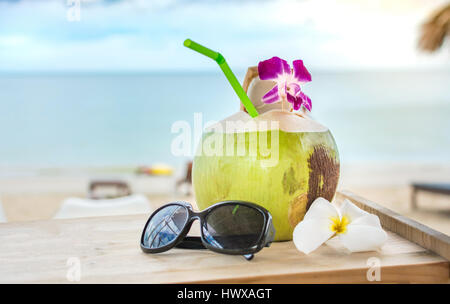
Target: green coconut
<point x="280" y="160"/>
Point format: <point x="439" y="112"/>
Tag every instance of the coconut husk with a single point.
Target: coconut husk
<point x="435" y="30"/>
<point x="252" y="72"/>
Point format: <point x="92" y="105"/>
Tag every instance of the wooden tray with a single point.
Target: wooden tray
<point x="108" y="251"/>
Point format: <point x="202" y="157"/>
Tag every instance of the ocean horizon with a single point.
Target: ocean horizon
<point x="57" y="120"/>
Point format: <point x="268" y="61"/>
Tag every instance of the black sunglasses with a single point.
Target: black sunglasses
<point x="230" y="227"/>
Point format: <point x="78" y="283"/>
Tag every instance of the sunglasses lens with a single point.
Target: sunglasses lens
<point x="233" y="226"/>
<point x="165" y="226"/>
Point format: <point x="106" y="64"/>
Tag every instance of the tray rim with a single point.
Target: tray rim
<point x="407" y="228"/>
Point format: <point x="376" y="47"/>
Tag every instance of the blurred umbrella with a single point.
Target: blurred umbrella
<point x="435" y="30"/>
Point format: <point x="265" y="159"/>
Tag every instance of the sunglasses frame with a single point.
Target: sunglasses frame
<point x="265" y="239"/>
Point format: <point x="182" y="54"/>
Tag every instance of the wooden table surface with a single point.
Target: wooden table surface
<point x="108" y="251"/>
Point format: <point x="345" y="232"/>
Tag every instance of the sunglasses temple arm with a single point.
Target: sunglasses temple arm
<point x="270" y="234"/>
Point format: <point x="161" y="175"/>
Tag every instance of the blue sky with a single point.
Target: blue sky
<point x="140" y="35"/>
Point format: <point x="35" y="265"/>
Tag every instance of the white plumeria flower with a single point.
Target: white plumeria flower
<point x="357" y="229"/>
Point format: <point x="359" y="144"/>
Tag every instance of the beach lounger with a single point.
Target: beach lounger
<point x="186" y="180"/>
<point x="79" y="207"/>
<point x="2" y="214"/>
<point x="119" y="187"/>
<point x="428" y="187"/>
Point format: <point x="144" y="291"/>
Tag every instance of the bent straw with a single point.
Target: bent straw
<point x="217" y="57"/>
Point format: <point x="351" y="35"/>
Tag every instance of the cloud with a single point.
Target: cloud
<point x="148" y="35"/>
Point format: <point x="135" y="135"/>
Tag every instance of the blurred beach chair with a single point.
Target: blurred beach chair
<point x="79" y="207"/>
<point x="120" y="202"/>
<point x="428" y="187"/>
<point x="2" y="214"/>
<point x="186" y="181"/>
<point x="108" y="189"/>
<point x="155" y="170"/>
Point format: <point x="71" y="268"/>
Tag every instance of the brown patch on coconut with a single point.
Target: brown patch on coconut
<point x="323" y="175"/>
<point x="297" y="210"/>
<point x="290" y="184"/>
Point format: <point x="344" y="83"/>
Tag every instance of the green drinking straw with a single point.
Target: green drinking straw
<point x="217" y="57"/>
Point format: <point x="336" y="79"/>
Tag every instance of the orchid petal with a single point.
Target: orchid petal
<point x="273" y="68"/>
<point x="301" y="74"/>
<point x="306" y="100"/>
<point x="294" y="88"/>
<point x="296" y="102"/>
<point x="271" y="96"/>
<point x="364" y="234"/>
<point x="315" y="230"/>
<point x="291" y="98"/>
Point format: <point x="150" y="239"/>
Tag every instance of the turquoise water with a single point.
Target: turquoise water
<point x="125" y="119"/>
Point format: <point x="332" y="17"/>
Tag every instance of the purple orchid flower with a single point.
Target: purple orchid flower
<point x="288" y="82"/>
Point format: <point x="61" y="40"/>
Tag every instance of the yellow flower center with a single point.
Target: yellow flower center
<point x="339" y="225"/>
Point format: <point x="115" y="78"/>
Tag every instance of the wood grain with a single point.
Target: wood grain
<point x="409" y="229"/>
<point x="108" y="249"/>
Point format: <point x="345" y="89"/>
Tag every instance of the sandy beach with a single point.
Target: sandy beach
<point x="38" y="197"/>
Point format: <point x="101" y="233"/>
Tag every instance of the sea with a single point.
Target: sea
<point x="68" y="120"/>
